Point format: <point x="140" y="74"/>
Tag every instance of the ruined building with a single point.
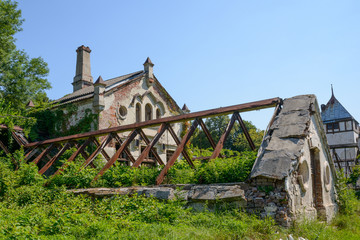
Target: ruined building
<point x="342" y="132"/>
<point x="123" y="100"/>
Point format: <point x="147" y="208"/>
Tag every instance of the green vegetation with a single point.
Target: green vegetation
<point x="21" y="79"/>
<point x="235" y="141"/>
<point x="235" y="167"/>
<point x="55" y="122"/>
<point x="31" y="210"/>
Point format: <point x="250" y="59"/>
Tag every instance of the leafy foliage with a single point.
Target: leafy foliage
<point x="21" y="78"/>
<point x="231" y="169"/>
<point x="235" y="167"/>
<point x="55" y="122"/>
<point x="235" y="141"/>
<point x="347" y="199"/>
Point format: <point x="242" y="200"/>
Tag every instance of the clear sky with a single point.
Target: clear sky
<point x="207" y="54"/>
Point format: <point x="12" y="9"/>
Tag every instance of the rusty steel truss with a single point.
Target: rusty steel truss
<point x="49" y="151"/>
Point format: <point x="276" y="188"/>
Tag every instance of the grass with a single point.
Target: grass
<point x="29" y="210"/>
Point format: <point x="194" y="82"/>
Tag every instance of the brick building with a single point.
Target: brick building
<point x="122" y="100"/>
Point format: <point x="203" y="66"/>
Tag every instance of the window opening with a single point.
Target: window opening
<point x="158" y="114"/>
<point x="138" y="112"/>
<point x="148" y="112"/>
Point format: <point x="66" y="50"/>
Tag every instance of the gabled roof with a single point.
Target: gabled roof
<point x="334" y="111"/>
<point x="88" y="92"/>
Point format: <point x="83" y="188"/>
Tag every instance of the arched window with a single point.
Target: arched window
<point x="138" y="112"/>
<point x="148" y="112"/>
<point x="158" y="113"/>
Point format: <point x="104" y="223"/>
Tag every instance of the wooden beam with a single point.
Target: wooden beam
<point x="114" y="158"/>
<point x="150" y="146"/>
<point x="180" y="118"/>
<point x="245" y="131"/>
<point x="348" y="145"/>
<point x="177" y="152"/>
<point x="223" y="137"/>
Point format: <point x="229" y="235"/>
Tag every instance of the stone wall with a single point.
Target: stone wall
<point x="263" y="197"/>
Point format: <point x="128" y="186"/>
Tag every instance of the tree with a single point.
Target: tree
<point x="236" y="139"/>
<point x="21" y="78"/>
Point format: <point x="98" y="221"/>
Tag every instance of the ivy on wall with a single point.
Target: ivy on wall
<point x="52" y="123"/>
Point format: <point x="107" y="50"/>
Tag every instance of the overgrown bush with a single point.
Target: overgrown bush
<point x="235" y="167"/>
<point x="348" y="202"/>
<point x="121" y="175"/>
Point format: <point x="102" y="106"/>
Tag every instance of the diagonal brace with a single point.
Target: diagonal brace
<point x="150" y="145"/>
<point x="177" y="152"/>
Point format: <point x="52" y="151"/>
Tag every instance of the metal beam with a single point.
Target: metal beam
<point x="43" y="153"/>
<point x="125" y="144"/>
<point x="174" y="119"/>
<point x="74" y="155"/>
<point x="150" y="146"/>
<point x="177" y="152"/>
<point x="97" y="151"/>
<point x="147" y="141"/>
<point x="177" y="141"/>
<point x="223" y="137"/>
<point x="126" y="150"/>
<point x="52" y="161"/>
<point x="245" y="131"/>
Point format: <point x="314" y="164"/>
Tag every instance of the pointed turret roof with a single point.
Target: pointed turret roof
<point x="334" y="110"/>
<point x="100" y="81"/>
<point x="185" y="108"/>
<point x="148" y="61"/>
<point x="30" y="104"/>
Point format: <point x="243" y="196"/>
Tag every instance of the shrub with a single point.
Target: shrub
<point x="232" y="169"/>
<point x="347" y="200"/>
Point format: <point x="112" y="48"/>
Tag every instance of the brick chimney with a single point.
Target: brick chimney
<point x="83" y="76"/>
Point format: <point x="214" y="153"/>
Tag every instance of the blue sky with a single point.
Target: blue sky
<point x="207" y="54"/>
